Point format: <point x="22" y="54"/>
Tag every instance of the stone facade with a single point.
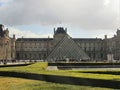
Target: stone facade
<point x="94" y="47"/>
<point x="113" y="45"/>
<point x="7" y="45"/>
<point x="40" y="48"/>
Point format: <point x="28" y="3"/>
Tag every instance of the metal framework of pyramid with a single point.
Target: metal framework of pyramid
<point x="67" y="48"/>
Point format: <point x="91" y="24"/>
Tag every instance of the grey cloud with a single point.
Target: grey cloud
<point x="88" y="14"/>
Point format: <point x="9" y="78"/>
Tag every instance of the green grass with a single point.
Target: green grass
<point x="34" y="68"/>
<point x="40" y="68"/>
<point x="8" y="83"/>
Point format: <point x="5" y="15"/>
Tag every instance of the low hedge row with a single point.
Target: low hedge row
<point x="15" y="65"/>
<point x="65" y="79"/>
<point x="80" y="64"/>
<point x="104" y="72"/>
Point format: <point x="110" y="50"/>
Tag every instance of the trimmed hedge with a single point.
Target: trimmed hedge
<point x="15" y="65"/>
<point x="65" y="79"/>
<point x="103" y="72"/>
<point x="68" y="66"/>
<point x="80" y="64"/>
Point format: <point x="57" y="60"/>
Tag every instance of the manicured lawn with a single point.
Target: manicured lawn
<point x="7" y="83"/>
<point x="40" y="68"/>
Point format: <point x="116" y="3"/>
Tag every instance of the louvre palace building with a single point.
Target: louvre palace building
<point x="7" y="45"/>
<point x="62" y="46"/>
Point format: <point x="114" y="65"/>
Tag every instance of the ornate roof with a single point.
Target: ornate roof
<point x="87" y="39"/>
<point x="34" y="39"/>
<point x="60" y="30"/>
<point x="1" y="30"/>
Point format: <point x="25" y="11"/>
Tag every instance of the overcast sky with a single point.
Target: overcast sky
<point x="83" y="18"/>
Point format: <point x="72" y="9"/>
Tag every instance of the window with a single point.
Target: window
<point x="101" y="48"/>
<point x="101" y="55"/>
<point x="94" y="49"/>
<point x="89" y="54"/>
<point x="89" y="48"/>
<point x="84" y="48"/>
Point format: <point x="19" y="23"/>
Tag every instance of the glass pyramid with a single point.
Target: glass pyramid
<point x="67" y="49"/>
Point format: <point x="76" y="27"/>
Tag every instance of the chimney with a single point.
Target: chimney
<point x="13" y="36"/>
<point x="1" y="30"/>
<point x="66" y="30"/>
<point x="105" y="36"/>
<point x="54" y="30"/>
